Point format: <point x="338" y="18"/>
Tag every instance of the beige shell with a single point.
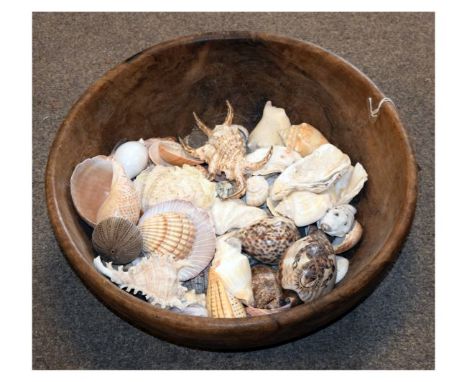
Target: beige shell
<point x="257" y="191"/>
<point x="315" y="172"/>
<point x="338" y="220"/>
<point x="173" y="153"/>
<point x="349" y="185"/>
<point x="90" y="185"/>
<point x="266" y="132"/>
<point x="153" y="150"/>
<point x="219" y="302"/>
<point x="303" y="138"/>
<point x="266" y="287"/>
<point x="343" y="244"/>
<point x="168" y="233"/>
<point x="280" y="159"/>
<point x="123" y="200"/>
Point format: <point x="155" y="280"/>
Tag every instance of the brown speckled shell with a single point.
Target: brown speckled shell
<point x="266" y="288"/>
<point x="268" y="239"/>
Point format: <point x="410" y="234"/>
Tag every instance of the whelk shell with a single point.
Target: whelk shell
<point x="173" y="153"/>
<point x="118" y="240"/>
<point x="343" y="244"/>
<point x="219" y="302"/>
<point x="266" y="289"/>
<point x="338" y="221"/>
<point x="133" y="156"/>
<point x="280" y="159"/>
<point x="257" y="191"/>
<point x="303" y="138"/>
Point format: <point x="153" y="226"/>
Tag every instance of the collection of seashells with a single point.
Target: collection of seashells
<point x="223" y="223"/>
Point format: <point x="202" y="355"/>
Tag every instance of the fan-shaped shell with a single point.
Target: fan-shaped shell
<point x="303" y="138"/>
<point x="204" y="242"/>
<point x="118" y="240"/>
<point x="173" y="153"/>
<point x="280" y="159"/>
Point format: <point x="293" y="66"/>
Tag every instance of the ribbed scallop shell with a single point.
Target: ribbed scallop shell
<point x="204" y="242"/>
<point x="168" y="233"/>
<point x="219" y="303"/>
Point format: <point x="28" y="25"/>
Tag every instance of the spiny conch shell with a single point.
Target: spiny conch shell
<point x="338" y="221"/>
<point x="266" y="132"/>
<point x="167" y="183"/>
<point x="90" y="185"/>
<point x="350" y="184"/>
<point x="123" y="200"/>
<point x="173" y="153"/>
<point x="219" y="302"/>
<point x="302" y="207"/>
<point x="257" y="191"/>
<point x="155" y="277"/>
<point x="117" y="240"/>
<point x="133" y="156"/>
<point x="343" y="244"/>
<point x="266" y="289"/>
<point x="342" y="265"/>
<point x="315" y="172"/>
<point x="234" y="213"/>
<point x="303" y="138"/>
<point x="233" y="269"/>
<point x="309" y="267"/>
<point x="267" y="239"/>
<point x="280" y="159"/>
<point x="204" y="242"/>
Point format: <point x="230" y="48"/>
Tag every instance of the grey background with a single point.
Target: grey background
<point x="392" y="329"/>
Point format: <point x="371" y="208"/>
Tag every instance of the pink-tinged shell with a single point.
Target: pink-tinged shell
<point x="123" y="200"/>
<point x="255" y="312"/>
<point x="173" y="153"/>
<point x="90" y="185"/>
<point x="204" y="243"/>
<point x="153" y="150"/>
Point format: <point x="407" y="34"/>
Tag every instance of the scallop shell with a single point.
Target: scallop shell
<point x="266" y="288"/>
<point x="219" y="303"/>
<point x="303" y="138"/>
<point x="168" y="233"/>
<point x="266" y="132"/>
<point x="123" y="199"/>
<point x="309" y="267"/>
<point x="257" y="191"/>
<point x="302" y="207"/>
<point x="342" y="265"/>
<point x="90" y="185"/>
<point x="161" y="184"/>
<point x="133" y="156"/>
<point x="173" y="153"/>
<point x="204" y="243"/>
<point x="350" y="184"/>
<point x="267" y="239"/>
<point x="343" y="244"/>
<point x="234" y="213"/>
<point x="314" y="173"/>
<point x="118" y="240"/>
<point x="338" y="221"/>
<point x="233" y="269"/>
<point x="280" y="159"/>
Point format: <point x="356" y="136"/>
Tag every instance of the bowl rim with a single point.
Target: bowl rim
<point x="123" y="303"/>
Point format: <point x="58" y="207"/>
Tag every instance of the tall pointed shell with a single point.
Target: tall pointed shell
<point x="117" y="240"/>
<point x="280" y="159"/>
<point x="257" y="191"/>
<point x="219" y="303"/>
<point x="303" y="138"/>
<point x="309" y="267"/>
<point x="315" y="173"/>
<point x="233" y="268"/>
<point x="343" y="244"/>
<point x="123" y="200"/>
<point x="173" y="153"/>
<point x="234" y="213"/>
<point x="350" y="184"/>
<point x="266" y="132"/>
<point x="90" y="185"/>
<point x="338" y="221"/>
<point x="204" y="242"/>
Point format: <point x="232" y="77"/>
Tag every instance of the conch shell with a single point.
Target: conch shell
<point x="280" y="159"/>
<point x="315" y="172"/>
<point x="303" y="138"/>
<point x="266" y="132"/>
<point x="338" y="221"/>
<point x="343" y="244"/>
<point x="257" y="191"/>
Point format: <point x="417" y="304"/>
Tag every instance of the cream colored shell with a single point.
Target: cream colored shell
<point x="280" y="159"/>
<point x="257" y="191"/>
<point x="303" y="138"/>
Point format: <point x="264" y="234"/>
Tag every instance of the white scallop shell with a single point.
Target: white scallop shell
<point x="338" y="221"/>
<point x="342" y="265"/>
<point x="133" y="156"/>
<point x="315" y="172"/>
<point x="280" y="159"/>
<point x="257" y="191"/>
<point x="266" y="132"/>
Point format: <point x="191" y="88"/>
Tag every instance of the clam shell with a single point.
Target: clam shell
<point x="342" y="265"/>
<point x="219" y="303"/>
<point x="266" y="288"/>
<point x="118" y="240"/>
<point x="204" y="243"/>
<point x="303" y="138"/>
<point x="267" y="239"/>
<point x="343" y="244"/>
<point x="257" y="191"/>
<point x="173" y="153"/>
<point x="338" y="221"/>
<point x="90" y="185"/>
<point x="133" y="156"/>
<point x="280" y="159"/>
<point x="309" y="267"/>
<point x="153" y="151"/>
<point x="266" y="132"/>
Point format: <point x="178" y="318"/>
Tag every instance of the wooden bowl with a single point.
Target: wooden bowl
<point x="154" y="93"/>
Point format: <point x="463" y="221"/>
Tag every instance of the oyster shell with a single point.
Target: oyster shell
<point x="309" y="267"/>
<point x="338" y="221"/>
<point x="350" y="184"/>
<point x="266" y="132"/>
<point x="280" y="159"/>
<point x="266" y="288"/>
<point x="315" y="172"/>
<point x="173" y="153"/>
<point x="303" y="138"/>
<point x="342" y="265"/>
<point x="133" y="156"/>
<point x="343" y="244"/>
<point x="257" y="191"/>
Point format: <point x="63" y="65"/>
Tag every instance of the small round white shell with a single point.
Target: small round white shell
<point x="133" y="156"/>
<point x="257" y="191"/>
<point x="338" y="221"/>
<point x="342" y="265"/>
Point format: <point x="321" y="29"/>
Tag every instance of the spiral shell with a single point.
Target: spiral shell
<point x="338" y="221"/>
<point x="118" y="240"/>
<point x="257" y="191"/>
<point x="303" y="138"/>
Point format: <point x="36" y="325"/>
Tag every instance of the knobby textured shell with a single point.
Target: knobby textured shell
<point x="90" y="185"/>
<point x="118" y="240"/>
<point x="266" y="288"/>
<point x="338" y="221"/>
<point x="303" y="138"/>
<point x="257" y="191"/>
<point x="343" y="244"/>
<point x="280" y="159"/>
<point x="204" y="242"/>
<point x="173" y="153"/>
<point x="309" y="267"/>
